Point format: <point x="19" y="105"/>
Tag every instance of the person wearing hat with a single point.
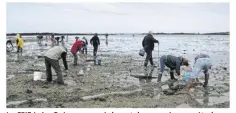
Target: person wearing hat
<point x="95" y="42"/>
<point x="148" y="45"/>
<point x="173" y="63"/>
<point x="75" y="48"/>
<point x="52" y="57"/>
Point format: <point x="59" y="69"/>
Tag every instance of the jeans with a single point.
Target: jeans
<point x="201" y="64"/>
<point x="55" y="64"/>
<point x="75" y="58"/>
<point x="148" y="57"/>
<point x="84" y="49"/>
<point x="95" y="49"/>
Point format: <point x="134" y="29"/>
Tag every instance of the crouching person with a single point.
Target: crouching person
<point x="75" y="48"/>
<point x="173" y="63"/>
<point x="52" y="57"/>
<point x="202" y="62"/>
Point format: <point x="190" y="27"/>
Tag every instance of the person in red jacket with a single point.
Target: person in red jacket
<point x="75" y="48"/>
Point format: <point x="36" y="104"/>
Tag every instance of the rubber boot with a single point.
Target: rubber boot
<point x="159" y="77"/>
<point x="206" y="80"/>
<point x="172" y="77"/>
<point x="145" y="64"/>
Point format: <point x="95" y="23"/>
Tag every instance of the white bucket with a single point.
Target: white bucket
<point x="37" y="75"/>
<point x="81" y="72"/>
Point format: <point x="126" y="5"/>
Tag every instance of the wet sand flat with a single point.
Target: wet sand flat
<point x="111" y="84"/>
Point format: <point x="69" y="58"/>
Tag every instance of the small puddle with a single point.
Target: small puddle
<point x="10" y="76"/>
<point x="183" y="106"/>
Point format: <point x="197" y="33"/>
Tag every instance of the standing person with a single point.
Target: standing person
<point x="148" y="45"/>
<point x="57" y="40"/>
<point x="75" y="48"/>
<point x="46" y="38"/>
<point x="39" y="39"/>
<point x="202" y="62"/>
<point x="52" y="57"/>
<point x="106" y="39"/>
<point x="62" y="40"/>
<point x="85" y="44"/>
<point x="173" y="63"/>
<point x="66" y="38"/>
<point x="20" y="43"/>
<point x="53" y="40"/>
<point x="95" y="42"/>
<point x="17" y="40"/>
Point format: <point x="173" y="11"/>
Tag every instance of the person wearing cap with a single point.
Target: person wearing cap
<point x="75" y="48"/>
<point x="173" y="63"/>
<point x="95" y="42"/>
<point x="201" y="62"/>
<point x="85" y="44"/>
<point x="148" y="45"/>
<point x="52" y="57"/>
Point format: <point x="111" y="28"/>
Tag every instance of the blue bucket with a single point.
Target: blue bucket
<point x="186" y="77"/>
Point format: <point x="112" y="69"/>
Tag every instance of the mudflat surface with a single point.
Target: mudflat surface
<point x="115" y="83"/>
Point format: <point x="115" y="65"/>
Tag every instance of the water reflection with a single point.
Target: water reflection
<point x="205" y="97"/>
<point x="146" y="85"/>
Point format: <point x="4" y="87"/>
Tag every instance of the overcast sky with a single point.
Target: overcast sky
<point x="117" y="17"/>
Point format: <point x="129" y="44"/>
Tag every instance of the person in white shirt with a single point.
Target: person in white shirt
<point x="52" y="57"/>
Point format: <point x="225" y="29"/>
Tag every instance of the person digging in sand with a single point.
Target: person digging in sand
<point x="173" y="63"/>
<point x="75" y="48"/>
<point x="52" y="57"/>
<point x="202" y="62"/>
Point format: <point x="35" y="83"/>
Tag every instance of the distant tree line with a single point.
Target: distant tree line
<point x="47" y="33"/>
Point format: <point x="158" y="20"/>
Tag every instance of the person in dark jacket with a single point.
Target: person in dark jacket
<point x="148" y="45"/>
<point x="39" y="39"/>
<point x="62" y="38"/>
<point x="106" y="39"/>
<point x="95" y="42"/>
<point x="57" y="40"/>
<point x="173" y="63"/>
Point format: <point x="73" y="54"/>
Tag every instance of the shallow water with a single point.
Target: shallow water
<point x="217" y="46"/>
